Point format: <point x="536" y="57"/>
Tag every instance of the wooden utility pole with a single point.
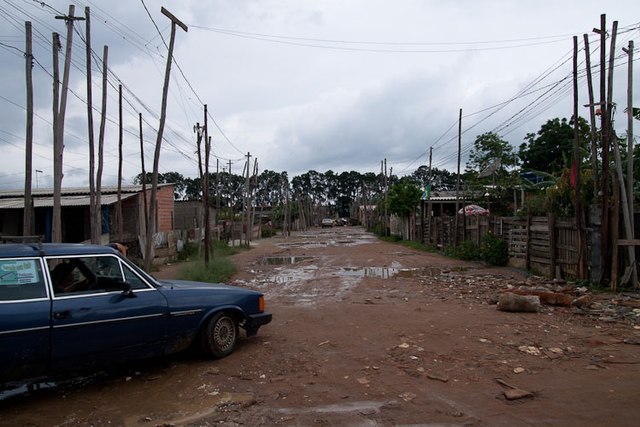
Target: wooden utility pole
<point x="27" y="221"/>
<point x="95" y="228"/>
<point x="57" y="144"/>
<point x="386" y="201"/>
<point x="246" y="215"/>
<point x="604" y="226"/>
<point x="217" y="187"/>
<point x="207" y="226"/>
<point x="252" y="186"/>
<point x="103" y="121"/>
<point x="231" y="215"/>
<point x="151" y="221"/>
<point x="455" y="237"/>
<point x="199" y="134"/>
<point x="119" y="221"/>
<point x="429" y="205"/>
<point x="592" y="120"/>
<point x="630" y="198"/>
<point x="144" y="175"/>
<point x="577" y="165"/>
<point x="56" y="225"/>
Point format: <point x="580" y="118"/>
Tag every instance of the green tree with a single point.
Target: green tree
<point x="551" y="148"/>
<point x="403" y="197"/>
<point x="491" y="156"/>
<point x="175" y="178"/>
<point x="490" y="175"/>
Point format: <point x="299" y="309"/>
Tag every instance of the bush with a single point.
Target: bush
<point x="467" y="251"/>
<point x="494" y="250"/>
<point x="189" y="250"/>
<point x="268" y="232"/>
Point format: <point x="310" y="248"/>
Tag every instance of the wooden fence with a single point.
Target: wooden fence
<point x="541" y="244"/>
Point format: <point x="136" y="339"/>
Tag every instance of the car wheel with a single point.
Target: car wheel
<point x="220" y="335"/>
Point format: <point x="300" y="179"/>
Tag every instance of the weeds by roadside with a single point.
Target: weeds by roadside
<point x="220" y="268"/>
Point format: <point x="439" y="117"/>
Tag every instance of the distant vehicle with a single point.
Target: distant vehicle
<point x="327" y="222"/>
<point x="71" y="307"/>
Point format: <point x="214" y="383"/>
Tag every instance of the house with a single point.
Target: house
<point x="76" y="226"/>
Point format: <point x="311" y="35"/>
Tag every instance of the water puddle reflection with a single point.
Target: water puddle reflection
<point x="285" y="260"/>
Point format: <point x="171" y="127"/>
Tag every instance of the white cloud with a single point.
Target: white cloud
<point x="291" y="86"/>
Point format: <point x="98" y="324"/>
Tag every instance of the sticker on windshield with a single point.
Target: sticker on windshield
<point x="18" y="272"/>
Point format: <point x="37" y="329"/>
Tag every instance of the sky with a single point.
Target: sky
<point x="302" y="85"/>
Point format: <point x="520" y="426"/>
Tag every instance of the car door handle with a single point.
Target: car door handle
<point x="58" y="315"/>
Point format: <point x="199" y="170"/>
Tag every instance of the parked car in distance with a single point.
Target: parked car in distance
<point x="72" y="307"/>
<point x="326" y="222"/>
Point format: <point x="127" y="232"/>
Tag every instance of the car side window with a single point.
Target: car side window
<point x="131" y="278"/>
<point x="70" y="276"/>
<point x="21" y="279"/>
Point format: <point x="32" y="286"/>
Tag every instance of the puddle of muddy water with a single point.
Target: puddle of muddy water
<point x="379" y="272"/>
<point x="388" y="272"/>
<point x="285" y="260"/>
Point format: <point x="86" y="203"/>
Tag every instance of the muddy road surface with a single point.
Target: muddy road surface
<point x="367" y="333"/>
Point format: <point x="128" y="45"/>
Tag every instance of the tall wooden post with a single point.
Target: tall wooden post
<point x="103" y="119"/>
<point x="246" y="215"/>
<point x="592" y="120"/>
<point x="95" y="235"/>
<point x="207" y="226"/>
<point x="56" y="225"/>
<point x="455" y="237"/>
<point x="57" y="151"/>
<point x="577" y="165"/>
<point x="119" y="220"/>
<point x="429" y="203"/>
<point x="144" y="176"/>
<point x="629" y="52"/>
<point x="27" y="221"/>
<point x="604" y="227"/>
<point x="151" y="221"/>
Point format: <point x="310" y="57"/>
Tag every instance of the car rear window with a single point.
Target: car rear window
<point x="21" y="279"/>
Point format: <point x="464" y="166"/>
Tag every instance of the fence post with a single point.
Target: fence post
<point x="528" y="253"/>
<point x="615" y="224"/>
<point x="552" y="243"/>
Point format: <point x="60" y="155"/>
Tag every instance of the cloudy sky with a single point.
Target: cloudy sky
<point x="302" y="85"/>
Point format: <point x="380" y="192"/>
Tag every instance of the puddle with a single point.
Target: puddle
<point x="379" y="272"/>
<point x="25" y="389"/>
<point x="285" y="260"/>
<point x="17" y="389"/>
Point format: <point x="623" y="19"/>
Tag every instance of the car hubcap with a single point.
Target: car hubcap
<point x="224" y="333"/>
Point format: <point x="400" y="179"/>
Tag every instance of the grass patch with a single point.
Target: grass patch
<point x="220" y="268"/>
<point x="409" y="243"/>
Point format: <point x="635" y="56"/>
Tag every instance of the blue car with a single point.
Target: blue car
<point x="73" y="307"/>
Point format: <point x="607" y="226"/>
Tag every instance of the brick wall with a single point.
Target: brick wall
<point x="165" y="208"/>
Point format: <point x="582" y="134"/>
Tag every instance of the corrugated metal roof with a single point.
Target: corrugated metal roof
<point x="66" y="200"/>
<point x="77" y="191"/>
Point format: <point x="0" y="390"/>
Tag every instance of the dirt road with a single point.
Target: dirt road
<point x="367" y="333"/>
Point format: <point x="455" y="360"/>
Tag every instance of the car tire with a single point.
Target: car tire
<point x="219" y="335"/>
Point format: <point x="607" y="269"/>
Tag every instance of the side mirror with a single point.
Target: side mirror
<point x="126" y="289"/>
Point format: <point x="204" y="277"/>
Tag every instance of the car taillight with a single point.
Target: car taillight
<point x="261" y="303"/>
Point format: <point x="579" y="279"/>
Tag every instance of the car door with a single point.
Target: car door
<point x="99" y="323"/>
<point x="25" y="324"/>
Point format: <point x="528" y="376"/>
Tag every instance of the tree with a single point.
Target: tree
<point x="491" y="156"/>
<point x="403" y="198"/>
<point x="490" y="175"/>
<point x="441" y="179"/>
<point x="550" y="149"/>
<point x="175" y="178"/>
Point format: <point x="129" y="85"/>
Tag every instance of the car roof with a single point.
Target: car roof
<point x="13" y="250"/>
